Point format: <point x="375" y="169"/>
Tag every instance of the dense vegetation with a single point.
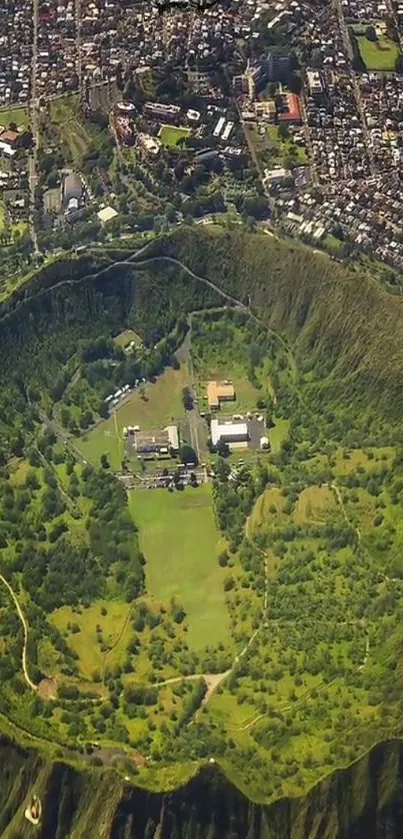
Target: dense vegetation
<point x="311" y="560"/>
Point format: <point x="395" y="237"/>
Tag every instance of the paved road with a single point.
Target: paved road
<point x="33" y="109"/>
<point x="79" y="67"/>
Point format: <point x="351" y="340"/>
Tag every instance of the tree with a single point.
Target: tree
<point x="223" y="559"/>
<point x="370" y="33"/>
<point x="222" y="448"/>
<point x="187" y="399"/>
<point x="187" y="454"/>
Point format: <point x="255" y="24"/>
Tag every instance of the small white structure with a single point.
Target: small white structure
<point x="33" y="812"/>
<point x="227" y="131"/>
<point x="264" y="443"/>
<point x="7" y="149"/>
<point x="192" y="115"/>
<point x="107" y="214"/>
<point x="126" y="107"/>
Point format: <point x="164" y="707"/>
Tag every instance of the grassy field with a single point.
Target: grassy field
<point x="181" y="542"/>
<point x="278" y="434"/>
<point x="268" y="504"/>
<point x="349" y="461"/>
<point x="171" y="134"/>
<point x="312" y="504"/>
<point x="18" y="115"/>
<point x="380" y="55"/>
<point x="115" y="630"/>
<point x="162" y="403"/>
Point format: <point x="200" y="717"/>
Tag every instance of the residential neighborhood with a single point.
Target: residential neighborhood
<point x="289" y="113"/>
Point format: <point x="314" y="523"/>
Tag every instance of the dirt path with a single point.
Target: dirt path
<point x="29" y="682"/>
<point x="336" y="489"/>
<point x="115" y="644"/>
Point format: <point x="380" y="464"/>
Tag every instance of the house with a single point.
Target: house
<point x="228" y="432"/>
<point x="10" y="137"/>
<point x="219" y="392"/>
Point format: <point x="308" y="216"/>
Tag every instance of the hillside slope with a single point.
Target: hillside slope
<point x="363" y="801"/>
<point x="344" y="325"/>
<point x="349" y="332"/>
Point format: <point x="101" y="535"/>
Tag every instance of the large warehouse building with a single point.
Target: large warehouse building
<point x="229" y="432"/>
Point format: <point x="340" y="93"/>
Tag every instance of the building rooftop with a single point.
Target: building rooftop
<point x="219" y="391"/>
<point x="228" y="431"/>
<point x="107" y="214"/>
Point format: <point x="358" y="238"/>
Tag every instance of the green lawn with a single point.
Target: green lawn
<point x="312" y="505"/>
<point x="162" y="403"/>
<point x="269" y="504"/>
<point x="116" y="630"/>
<point x="380" y="55"/>
<point x="18" y="115"/>
<point x="278" y="434"/>
<point x="171" y="134"/>
<point x="181" y="542"/>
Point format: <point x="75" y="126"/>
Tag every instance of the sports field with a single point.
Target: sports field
<point x="171" y="134"/>
<point x="161" y="404"/>
<point x="380" y="55"/>
<point x="181" y="542"/>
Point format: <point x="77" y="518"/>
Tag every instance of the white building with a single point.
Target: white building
<point x="229" y="432"/>
<point x="219" y="127"/>
<point x="192" y="115"/>
<point x="173" y="436"/>
<point x="227" y="131"/>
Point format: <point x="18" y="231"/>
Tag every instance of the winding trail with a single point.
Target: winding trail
<point x="336" y="489"/>
<point x="27" y="678"/>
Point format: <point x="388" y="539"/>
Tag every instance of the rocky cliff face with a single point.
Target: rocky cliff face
<point x="362" y="802"/>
